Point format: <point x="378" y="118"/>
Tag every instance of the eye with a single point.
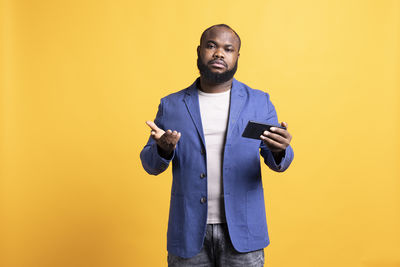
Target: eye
<point x="210" y="45"/>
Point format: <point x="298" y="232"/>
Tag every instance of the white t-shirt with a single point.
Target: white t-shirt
<point x="214" y="111"/>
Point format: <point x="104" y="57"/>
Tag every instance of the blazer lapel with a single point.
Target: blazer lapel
<point x="236" y="106"/>
<point x="191" y="100"/>
<point x="237" y="100"/>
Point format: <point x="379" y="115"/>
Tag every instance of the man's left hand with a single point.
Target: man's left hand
<point x="277" y="139"/>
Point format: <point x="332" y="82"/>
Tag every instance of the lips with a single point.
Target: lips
<point x="217" y="63"/>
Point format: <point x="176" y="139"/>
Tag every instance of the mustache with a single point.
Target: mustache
<point x="218" y="61"/>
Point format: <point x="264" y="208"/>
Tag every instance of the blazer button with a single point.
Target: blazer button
<point x="203" y="175"/>
<point x="203" y="200"/>
<point x="202" y="151"/>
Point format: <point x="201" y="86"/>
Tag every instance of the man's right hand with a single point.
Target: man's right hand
<point x="166" y="140"/>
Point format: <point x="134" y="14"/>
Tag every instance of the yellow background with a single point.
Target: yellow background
<point x="79" y="79"/>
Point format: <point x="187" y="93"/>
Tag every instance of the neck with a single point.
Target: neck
<point x="209" y="87"/>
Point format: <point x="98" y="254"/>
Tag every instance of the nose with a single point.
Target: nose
<point x="218" y="53"/>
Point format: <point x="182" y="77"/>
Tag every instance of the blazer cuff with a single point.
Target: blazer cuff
<point x="163" y="162"/>
<point x="285" y="161"/>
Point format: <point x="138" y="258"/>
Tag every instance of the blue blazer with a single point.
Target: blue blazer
<point x="242" y="183"/>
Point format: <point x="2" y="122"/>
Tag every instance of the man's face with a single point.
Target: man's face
<point x="218" y="54"/>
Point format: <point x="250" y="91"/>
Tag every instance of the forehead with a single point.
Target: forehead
<point x="221" y="35"/>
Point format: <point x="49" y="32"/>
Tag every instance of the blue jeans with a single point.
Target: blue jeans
<point x="218" y="251"/>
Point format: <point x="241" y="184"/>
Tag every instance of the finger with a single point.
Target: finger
<point x="280" y="131"/>
<point x="284" y="133"/>
<point x="172" y="138"/>
<point x="271" y="144"/>
<point x="156" y="135"/>
<point x="169" y="136"/>
<point x="176" y="138"/>
<point x="153" y="126"/>
<point x="284" y="124"/>
<point x="278" y="138"/>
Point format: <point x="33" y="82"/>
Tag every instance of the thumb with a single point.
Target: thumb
<point x="153" y="126"/>
<point x="284" y="124"/>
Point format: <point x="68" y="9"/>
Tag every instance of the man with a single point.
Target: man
<point x="217" y="213"/>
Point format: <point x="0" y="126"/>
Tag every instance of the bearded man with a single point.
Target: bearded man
<point x="217" y="211"/>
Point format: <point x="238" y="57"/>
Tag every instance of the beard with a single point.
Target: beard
<point x="212" y="77"/>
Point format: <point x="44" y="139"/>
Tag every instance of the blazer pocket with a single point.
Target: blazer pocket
<point x="256" y="221"/>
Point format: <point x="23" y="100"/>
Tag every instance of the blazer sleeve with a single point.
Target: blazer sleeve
<point x="266" y="153"/>
<point x="152" y="162"/>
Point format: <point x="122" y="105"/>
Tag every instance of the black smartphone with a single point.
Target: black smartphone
<point x="255" y="129"/>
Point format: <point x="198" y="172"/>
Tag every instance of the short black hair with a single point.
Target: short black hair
<point x="220" y="25"/>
